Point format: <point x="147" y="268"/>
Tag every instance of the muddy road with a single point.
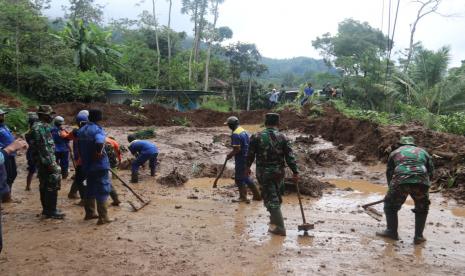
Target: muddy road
<point x="196" y="230"/>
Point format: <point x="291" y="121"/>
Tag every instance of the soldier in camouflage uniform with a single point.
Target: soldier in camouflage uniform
<point x="272" y="151"/>
<point x="43" y="154"/>
<point x="409" y="170"/>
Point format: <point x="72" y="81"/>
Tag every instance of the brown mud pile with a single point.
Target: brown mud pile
<point x="211" y="170"/>
<point x="370" y="142"/>
<point x="9" y="101"/>
<point x="308" y="186"/>
<point x="123" y="115"/>
<point x="173" y="179"/>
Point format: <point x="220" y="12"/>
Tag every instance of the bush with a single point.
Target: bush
<point x="53" y="85"/>
<point x="16" y="120"/>
<point x="216" y="104"/>
<point x="453" y="123"/>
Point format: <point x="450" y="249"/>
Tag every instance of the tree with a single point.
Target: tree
<point x="21" y="33"/>
<point x="91" y="45"/>
<point x="197" y="9"/>
<point x="210" y="37"/>
<point x="169" y="41"/>
<point x="357" y="48"/>
<point x="426" y="7"/>
<point x="86" y="10"/>
<point x="241" y="55"/>
<point x="253" y="69"/>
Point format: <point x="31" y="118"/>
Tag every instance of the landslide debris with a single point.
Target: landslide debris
<point x="173" y="179"/>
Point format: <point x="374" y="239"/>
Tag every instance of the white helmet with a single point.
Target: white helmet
<point x="83" y="113"/>
<point x="59" y="120"/>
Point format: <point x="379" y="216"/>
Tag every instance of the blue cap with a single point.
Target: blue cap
<point x="82" y="118"/>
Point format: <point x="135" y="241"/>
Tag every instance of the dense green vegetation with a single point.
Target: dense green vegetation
<point x="78" y="58"/>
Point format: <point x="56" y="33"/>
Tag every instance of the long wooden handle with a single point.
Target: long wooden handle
<point x="127" y="186"/>
<point x="373" y="203"/>
<point x="300" y="201"/>
<point x="215" y="184"/>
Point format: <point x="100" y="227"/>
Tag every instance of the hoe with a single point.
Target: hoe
<point x="304" y="226"/>
<point x="143" y="202"/>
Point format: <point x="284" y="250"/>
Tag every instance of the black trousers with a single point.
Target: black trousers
<point x="78" y="183"/>
<point x="11" y="172"/>
<point x="1" y="238"/>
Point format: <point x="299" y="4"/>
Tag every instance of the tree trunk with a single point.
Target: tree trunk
<point x="233" y="95"/>
<point x="156" y="42"/>
<point x="410" y="48"/>
<point x="169" y="44"/>
<point x="18" y="88"/>
<point x="207" y="62"/>
<point x="191" y="57"/>
<point x="249" y="92"/>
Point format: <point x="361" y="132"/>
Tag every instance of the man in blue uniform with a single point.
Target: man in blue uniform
<point x="240" y="145"/>
<point x="95" y="164"/>
<point x="143" y="150"/>
<point x="61" y="146"/>
<point x="308" y="92"/>
<point x="6" y="138"/>
<point x="4" y="188"/>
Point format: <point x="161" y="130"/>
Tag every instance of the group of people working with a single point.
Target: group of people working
<point x="93" y="154"/>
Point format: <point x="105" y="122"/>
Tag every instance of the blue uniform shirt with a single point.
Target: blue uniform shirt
<point x="61" y="145"/>
<point x="240" y="137"/>
<point x="6" y="137"/>
<point x="308" y="91"/>
<point x="142" y="147"/>
<point x="88" y="137"/>
<point x="4" y="188"/>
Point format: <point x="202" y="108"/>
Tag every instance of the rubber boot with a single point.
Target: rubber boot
<point x="277" y="223"/>
<point x="420" y="221"/>
<point x="242" y="195"/>
<point x="152" y="172"/>
<point x="391" y="226"/>
<point x="7" y="198"/>
<point x="89" y="207"/>
<point x="134" y="177"/>
<point x="52" y="211"/>
<point x="114" y="197"/>
<point x="102" y="213"/>
<point x="255" y="192"/>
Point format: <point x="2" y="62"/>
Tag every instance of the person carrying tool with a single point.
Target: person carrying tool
<point x="43" y="153"/>
<point x="240" y="146"/>
<point x="114" y="156"/>
<point x="31" y="167"/>
<point x="61" y="145"/>
<point x="6" y="138"/>
<point x="143" y="150"/>
<point x="272" y="150"/>
<point x="409" y="170"/>
<point x="4" y="188"/>
<point x="79" y="176"/>
<point x="308" y="92"/>
<point x="95" y="165"/>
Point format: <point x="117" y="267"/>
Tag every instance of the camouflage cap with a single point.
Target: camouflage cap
<point x="2" y="112"/>
<point x="272" y="119"/>
<point x="407" y="140"/>
<point x="45" y="109"/>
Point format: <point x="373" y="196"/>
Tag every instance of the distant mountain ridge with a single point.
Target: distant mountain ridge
<point x="299" y="66"/>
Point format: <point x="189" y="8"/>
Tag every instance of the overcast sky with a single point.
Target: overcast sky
<point x="286" y="28"/>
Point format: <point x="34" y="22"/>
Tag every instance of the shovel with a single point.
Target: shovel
<point x="305" y="226"/>
<point x="215" y="184"/>
<point x="143" y="202"/>
<point x="372" y="212"/>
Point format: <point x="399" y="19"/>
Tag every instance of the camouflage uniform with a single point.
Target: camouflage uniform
<point x="408" y="172"/>
<point x="49" y="172"/>
<point x="272" y="151"/>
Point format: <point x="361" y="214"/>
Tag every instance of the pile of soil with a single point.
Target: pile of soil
<point x="173" y="179"/>
<point x="123" y="115"/>
<point x="9" y="101"/>
<point x="308" y="186"/>
<point x="370" y="142"/>
<point x="326" y="158"/>
<point x="211" y="171"/>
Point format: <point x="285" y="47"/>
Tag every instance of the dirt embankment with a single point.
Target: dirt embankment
<point x="123" y="115"/>
<point x="9" y="101"/>
<point x="370" y="142"/>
